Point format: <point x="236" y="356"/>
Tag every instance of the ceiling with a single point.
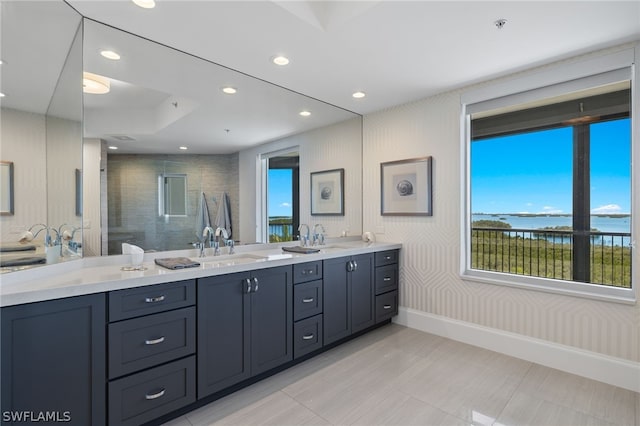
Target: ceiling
<point x="394" y="51"/>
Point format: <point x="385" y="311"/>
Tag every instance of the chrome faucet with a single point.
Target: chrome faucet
<point x="208" y="232"/>
<point x="304" y="238"/>
<point x="216" y="247"/>
<point x="318" y="237"/>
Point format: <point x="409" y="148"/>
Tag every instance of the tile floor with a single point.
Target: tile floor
<point x="400" y="376"/>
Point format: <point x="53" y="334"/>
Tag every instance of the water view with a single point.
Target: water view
<point x="603" y="223"/>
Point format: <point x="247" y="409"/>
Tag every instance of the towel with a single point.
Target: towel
<point x="202" y="217"/>
<point x="177" y="263"/>
<point x="223" y="218"/>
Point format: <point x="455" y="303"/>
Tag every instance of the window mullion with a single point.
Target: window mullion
<point x="581" y="203"/>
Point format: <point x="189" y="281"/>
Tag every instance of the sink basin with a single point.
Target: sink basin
<point x="229" y="260"/>
<point x="331" y="248"/>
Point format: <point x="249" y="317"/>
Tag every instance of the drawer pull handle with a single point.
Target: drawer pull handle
<point x="154" y="341"/>
<point x="387" y="306"/>
<point x="386" y="279"/>
<point x="309" y="300"/>
<point x="307" y="337"/>
<point x="255" y="284"/>
<point x="387" y="258"/>
<point x="154" y="299"/>
<point x="155" y="395"/>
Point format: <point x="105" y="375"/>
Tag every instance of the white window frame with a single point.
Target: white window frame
<point x="550" y="82"/>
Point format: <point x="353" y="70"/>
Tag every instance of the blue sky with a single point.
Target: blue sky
<point x="532" y="172"/>
<point x="279" y="190"/>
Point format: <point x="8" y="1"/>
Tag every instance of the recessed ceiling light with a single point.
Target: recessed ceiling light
<point x="1" y="62"/>
<point x="146" y="4"/>
<point x="305" y="113"/>
<point x="359" y="95"/>
<point x="95" y="84"/>
<point x="184" y="148"/>
<point x="2" y="95"/>
<point x="113" y="147"/>
<point x="280" y="60"/>
<point x="110" y="54"/>
<point x="229" y="90"/>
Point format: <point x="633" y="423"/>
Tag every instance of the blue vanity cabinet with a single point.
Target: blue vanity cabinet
<point x="53" y="361"/>
<point x="348" y="296"/>
<point x="244" y="326"/>
<point x="151" y="351"/>
<point x="386" y="285"/>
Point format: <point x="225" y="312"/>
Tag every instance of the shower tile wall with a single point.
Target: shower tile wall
<point x="132" y="200"/>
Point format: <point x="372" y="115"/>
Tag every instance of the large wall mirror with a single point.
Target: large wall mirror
<point x="162" y="112"/>
<point x="41" y="129"/>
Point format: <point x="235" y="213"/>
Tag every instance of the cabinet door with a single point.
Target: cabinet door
<point x="337" y="299"/>
<point x="362" y="293"/>
<point x="53" y="359"/>
<point x="223" y="332"/>
<point x="271" y="318"/>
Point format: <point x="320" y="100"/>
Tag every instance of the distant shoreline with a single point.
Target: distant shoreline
<point x="611" y="215"/>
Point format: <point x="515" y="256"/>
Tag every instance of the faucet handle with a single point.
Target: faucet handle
<point x="229" y="243"/>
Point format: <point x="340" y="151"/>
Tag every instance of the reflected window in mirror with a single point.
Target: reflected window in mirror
<point x="283" y="196"/>
<point x="6" y="188"/>
<point x="172" y="191"/>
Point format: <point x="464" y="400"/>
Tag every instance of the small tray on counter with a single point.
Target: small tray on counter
<point x="299" y="249"/>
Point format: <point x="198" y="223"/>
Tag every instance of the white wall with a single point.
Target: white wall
<point x="23" y="142"/>
<point x="430" y="260"/>
<point x="332" y="147"/>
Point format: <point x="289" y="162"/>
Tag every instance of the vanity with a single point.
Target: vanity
<point x="96" y="345"/>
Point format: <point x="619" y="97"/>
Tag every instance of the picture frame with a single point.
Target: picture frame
<point x="406" y="187"/>
<point x="6" y="188"/>
<point x="327" y="193"/>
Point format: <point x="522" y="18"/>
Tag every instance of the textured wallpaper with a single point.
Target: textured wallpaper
<point x="430" y="259"/>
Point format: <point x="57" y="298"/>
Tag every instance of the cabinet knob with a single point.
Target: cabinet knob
<point x="307" y="300"/>
<point x="155" y="395"/>
<point x="386" y="279"/>
<point x="387" y="258"/>
<point x="154" y="341"/>
<point x="154" y="299"/>
<point x="307" y="337"/>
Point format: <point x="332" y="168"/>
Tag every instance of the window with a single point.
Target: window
<point x="282" y="200"/>
<point x="549" y="190"/>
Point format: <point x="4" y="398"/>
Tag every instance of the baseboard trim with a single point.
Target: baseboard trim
<point x="603" y="368"/>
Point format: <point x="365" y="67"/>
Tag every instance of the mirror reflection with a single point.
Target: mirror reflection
<point x="87" y="159"/>
<point x="41" y="131"/>
<point x="157" y="111"/>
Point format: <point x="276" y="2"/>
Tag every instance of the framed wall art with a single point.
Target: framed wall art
<point x="406" y="187"/>
<point x="327" y="193"/>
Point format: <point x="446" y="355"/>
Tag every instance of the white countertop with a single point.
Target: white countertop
<point x="101" y="274"/>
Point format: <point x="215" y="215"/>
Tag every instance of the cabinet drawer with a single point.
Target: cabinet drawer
<point x="136" y="302"/>
<point x="307" y="336"/>
<point x="303" y="272"/>
<point x="386" y="257"/>
<point x="141" y="343"/>
<point x="136" y="399"/>
<point x="386" y="278"/>
<point x="307" y="300"/>
<point x="386" y="306"/>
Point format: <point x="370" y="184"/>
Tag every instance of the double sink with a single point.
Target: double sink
<point x="245" y="258"/>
